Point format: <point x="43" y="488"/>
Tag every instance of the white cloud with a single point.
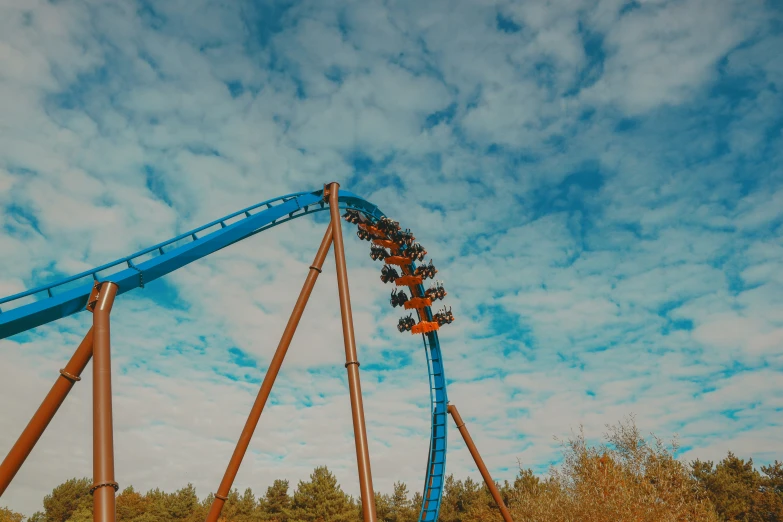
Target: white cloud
<point x="664" y="53"/>
<point x="119" y="130"/>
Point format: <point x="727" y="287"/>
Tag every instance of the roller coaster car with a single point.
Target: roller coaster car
<point x="436" y="291"/>
<point x="398" y="298"/>
<point x="426" y="271"/>
<point x="364" y="235"/>
<point x="374" y="231"/>
<point x="377" y="252"/>
<point x="403" y="238"/>
<point x="388" y="274"/>
<point x="352" y="216"/>
<point x="415" y="251"/>
<point x="387" y="225"/>
<point x="406" y="323"/>
<point x="444" y="317"/>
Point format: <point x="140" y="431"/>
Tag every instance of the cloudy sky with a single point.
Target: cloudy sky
<point x="599" y="182"/>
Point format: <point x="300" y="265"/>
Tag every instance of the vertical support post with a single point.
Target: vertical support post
<point x="104" y="487"/>
<point x="351" y="364"/>
<point x="480" y="463"/>
<point x="45" y="412"/>
<point x="269" y="380"/>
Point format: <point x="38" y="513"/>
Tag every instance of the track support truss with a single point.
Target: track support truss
<point x="333" y="235"/>
<point x="98" y="294"/>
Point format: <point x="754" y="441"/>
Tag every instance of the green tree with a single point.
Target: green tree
<point x="729" y="485"/>
<point x="460" y="499"/>
<point x="402" y="509"/>
<point x="382" y="506"/>
<point x="773" y="476"/>
<point x="276" y="503"/>
<point x="242" y="508"/>
<point x="229" y="511"/>
<point x="739" y="492"/>
<point x="321" y="500"/>
<point x="417" y="501"/>
<point x="156" y="509"/>
<point x="82" y="514"/>
<point x="6" y="515"/>
<point x="181" y="504"/>
<point x="248" y="509"/>
<point x="130" y="505"/>
<point x="199" y="513"/>
<point x="68" y="498"/>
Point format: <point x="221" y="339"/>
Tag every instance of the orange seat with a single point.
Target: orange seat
<point x="397" y="260"/>
<point x="417" y="302"/>
<point x="424" y="327"/>
<point x="371" y="229"/>
<point x="386" y="243"/>
<point x="408" y="280"/>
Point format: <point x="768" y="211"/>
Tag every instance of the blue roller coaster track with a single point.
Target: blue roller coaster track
<point x="47" y="303"/>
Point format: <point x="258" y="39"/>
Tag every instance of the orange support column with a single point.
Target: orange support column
<point x="104" y="487"/>
<point x="352" y="363"/>
<point x="480" y="463"/>
<point x="269" y="379"/>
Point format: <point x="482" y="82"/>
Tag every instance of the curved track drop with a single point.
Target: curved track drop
<point x="47" y="303"/>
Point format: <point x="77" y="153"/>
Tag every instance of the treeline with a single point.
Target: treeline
<point x="626" y="479"/>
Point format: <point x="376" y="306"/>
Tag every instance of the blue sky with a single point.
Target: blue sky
<point x="599" y="183"/>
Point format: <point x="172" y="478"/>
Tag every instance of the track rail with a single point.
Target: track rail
<point x="47" y="303"/>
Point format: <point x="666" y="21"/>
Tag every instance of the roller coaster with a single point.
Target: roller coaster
<point x="96" y="289"/>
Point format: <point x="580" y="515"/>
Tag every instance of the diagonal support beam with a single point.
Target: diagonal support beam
<point x="480" y="463"/>
<point x="45" y="412"/>
<point x="269" y="379"/>
<point x="351" y="361"/>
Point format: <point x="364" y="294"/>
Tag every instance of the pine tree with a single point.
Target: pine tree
<point x="416" y="503"/>
<point x="6" y="515"/>
<point x="741" y="493"/>
<point x="199" y="513"/>
<point x="459" y="499"/>
<point x="401" y="508"/>
<point x="247" y="508"/>
<point x="321" y="500"/>
<point x="182" y="503"/>
<point x="130" y="505"/>
<point x="156" y="507"/>
<point x="773" y="476"/>
<point x="67" y="498"/>
<point x="83" y="514"/>
<point x="229" y="511"/>
<point x="276" y="503"/>
<point x="382" y="506"/>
